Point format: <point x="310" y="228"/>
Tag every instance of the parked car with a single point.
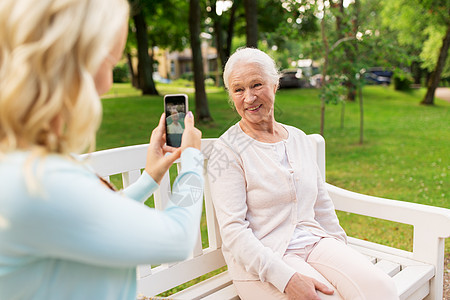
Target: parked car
<point x="378" y="76"/>
<point x="292" y="78"/>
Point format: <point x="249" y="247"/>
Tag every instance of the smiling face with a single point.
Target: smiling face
<point x="253" y="94"/>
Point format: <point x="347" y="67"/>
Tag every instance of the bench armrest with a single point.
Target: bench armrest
<point x="434" y="219"/>
<point x="431" y="224"/>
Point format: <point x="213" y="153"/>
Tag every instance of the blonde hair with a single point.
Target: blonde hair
<point x="50" y="51"/>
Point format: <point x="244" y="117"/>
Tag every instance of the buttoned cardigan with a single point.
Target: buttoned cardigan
<point x="258" y="202"/>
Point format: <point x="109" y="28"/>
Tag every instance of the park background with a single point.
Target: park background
<point x="387" y="136"/>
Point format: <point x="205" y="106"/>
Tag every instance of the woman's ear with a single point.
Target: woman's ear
<point x="57" y="125"/>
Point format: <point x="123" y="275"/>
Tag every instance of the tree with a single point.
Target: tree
<point x="145" y="66"/>
<point x="223" y="30"/>
<point x="326" y="54"/>
<point x="201" y="102"/>
<point x="251" y="17"/>
<point x="414" y="25"/>
<point x="346" y="29"/>
<point x="435" y="77"/>
<point x="166" y="26"/>
<point x="440" y="13"/>
<point x="145" y="63"/>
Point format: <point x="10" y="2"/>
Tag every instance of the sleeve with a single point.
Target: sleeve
<point x="228" y="189"/>
<point x="325" y="212"/>
<point x="82" y="220"/>
<point x="142" y="188"/>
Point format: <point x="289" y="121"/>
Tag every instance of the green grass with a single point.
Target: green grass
<point x="405" y="154"/>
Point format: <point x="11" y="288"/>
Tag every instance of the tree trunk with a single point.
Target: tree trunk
<point x="324" y="73"/>
<point x="218" y="31"/>
<point x="435" y="77"/>
<point x="351" y="53"/>
<point x="201" y="102"/>
<point x="220" y="47"/>
<point x="342" y="26"/>
<point x="416" y="71"/>
<point x="359" y="86"/>
<point x="361" y="114"/>
<point x="230" y="30"/>
<point x="145" y="67"/>
<point x="133" y="75"/>
<point x="251" y="18"/>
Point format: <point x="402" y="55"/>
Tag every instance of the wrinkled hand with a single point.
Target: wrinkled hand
<point x="157" y="161"/>
<point x="302" y="287"/>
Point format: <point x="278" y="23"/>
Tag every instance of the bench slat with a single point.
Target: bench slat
<point x="227" y="293"/>
<point x="165" y="279"/>
<point x="388" y="267"/>
<point x="207" y="288"/>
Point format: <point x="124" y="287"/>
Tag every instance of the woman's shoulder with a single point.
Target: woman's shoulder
<point x="296" y="132"/>
<point x="229" y="143"/>
<point x="27" y="177"/>
<point x="230" y="132"/>
<point x="43" y="165"/>
<point x="231" y="138"/>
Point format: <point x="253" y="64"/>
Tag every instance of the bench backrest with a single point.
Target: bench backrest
<point x="152" y="280"/>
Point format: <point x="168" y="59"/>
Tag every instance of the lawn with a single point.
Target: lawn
<point x="405" y="154"/>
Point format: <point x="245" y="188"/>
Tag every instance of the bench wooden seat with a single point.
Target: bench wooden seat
<point x="417" y="274"/>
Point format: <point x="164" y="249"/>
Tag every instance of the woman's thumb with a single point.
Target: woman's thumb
<point x="170" y="158"/>
<point x="189" y="120"/>
<point x="323" y="288"/>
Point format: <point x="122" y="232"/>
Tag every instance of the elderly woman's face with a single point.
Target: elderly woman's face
<point x="252" y="92"/>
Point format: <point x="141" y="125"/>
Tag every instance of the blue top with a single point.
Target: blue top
<point x="77" y="239"/>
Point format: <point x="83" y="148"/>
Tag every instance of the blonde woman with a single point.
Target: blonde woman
<point x="63" y="233"/>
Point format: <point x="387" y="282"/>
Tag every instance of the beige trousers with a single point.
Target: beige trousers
<point x="346" y="271"/>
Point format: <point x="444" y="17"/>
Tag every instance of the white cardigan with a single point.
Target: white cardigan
<point x="256" y="201"/>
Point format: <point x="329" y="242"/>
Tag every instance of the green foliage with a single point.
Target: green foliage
<point x="187" y="76"/>
<point x="333" y="91"/>
<point x="429" y="55"/>
<point x="402" y="80"/>
<point x="121" y="73"/>
<point x="167" y="22"/>
<point x="419" y="27"/>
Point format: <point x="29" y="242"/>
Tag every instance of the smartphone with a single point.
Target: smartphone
<point x="175" y="107"/>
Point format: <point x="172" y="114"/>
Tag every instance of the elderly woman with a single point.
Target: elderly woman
<point x="281" y="236"/>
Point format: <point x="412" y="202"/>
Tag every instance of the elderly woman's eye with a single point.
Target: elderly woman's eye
<point x="257" y="85"/>
<point x="238" y="90"/>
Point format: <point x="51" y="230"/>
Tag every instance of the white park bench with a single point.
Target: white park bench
<point x="417" y="274"/>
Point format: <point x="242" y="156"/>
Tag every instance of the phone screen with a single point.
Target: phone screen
<point x="175" y="107"/>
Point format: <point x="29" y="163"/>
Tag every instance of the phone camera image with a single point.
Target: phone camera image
<point x="175" y="109"/>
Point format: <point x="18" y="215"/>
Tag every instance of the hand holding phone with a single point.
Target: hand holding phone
<point x="157" y="162"/>
<point x="175" y="107"/>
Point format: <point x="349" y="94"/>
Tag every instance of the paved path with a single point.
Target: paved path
<point x="443" y="93"/>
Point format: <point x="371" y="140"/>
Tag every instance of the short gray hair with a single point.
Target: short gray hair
<point x="252" y="55"/>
